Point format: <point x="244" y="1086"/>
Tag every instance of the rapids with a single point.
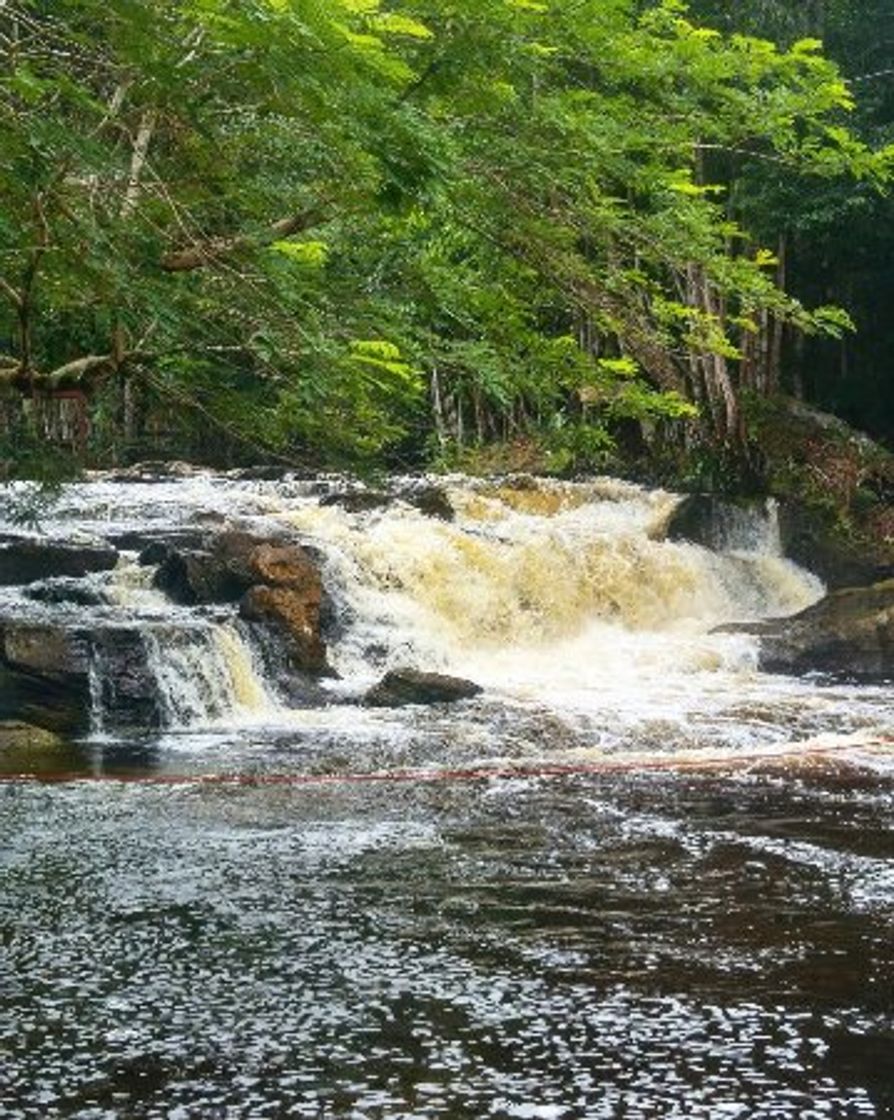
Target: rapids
<point x="630" y="938"/>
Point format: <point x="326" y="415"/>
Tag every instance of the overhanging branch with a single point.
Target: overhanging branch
<point x="204" y="253"/>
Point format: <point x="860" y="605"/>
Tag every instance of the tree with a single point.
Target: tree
<point x="295" y="216"/>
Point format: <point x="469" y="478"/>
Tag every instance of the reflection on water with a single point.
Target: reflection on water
<point x="642" y="946"/>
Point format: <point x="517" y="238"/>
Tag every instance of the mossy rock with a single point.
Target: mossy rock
<point x="836" y="491"/>
<point x="26" y="749"/>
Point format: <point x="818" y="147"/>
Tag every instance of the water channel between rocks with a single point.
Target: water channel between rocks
<point x="570" y="924"/>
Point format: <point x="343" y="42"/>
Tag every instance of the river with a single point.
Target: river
<point x="635" y="878"/>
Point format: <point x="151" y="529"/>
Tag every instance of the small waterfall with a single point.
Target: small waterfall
<point x="203" y="674"/>
<point x="538" y="588"/>
<point x="749" y="528"/>
<point x="97" y="703"/>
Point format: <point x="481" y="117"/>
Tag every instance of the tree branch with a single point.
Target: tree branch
<point x="204" y="253"/>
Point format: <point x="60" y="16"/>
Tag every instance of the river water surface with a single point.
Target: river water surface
<point x="635" y="878"/>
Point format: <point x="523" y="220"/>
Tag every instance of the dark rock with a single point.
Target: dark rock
<point x="358" y="501"/>
<point x="62" y="590"/>
<point x="813" y="538"/>
<point x="194" y="577"/>
<point x="260" y="473"/>
<point x="294" y="687"/>
<point x="276" y="582"/>
<point x="155" y="553"/>
<point x="236" y="562"/>
<point x="127" y="689"/>
<point x="412" y="686"/>
<point x="45" y="675"/>
<point x="430" y="500"/>
<point x="220" y="574"/>
<point x="137" y="540"/>
<point x="849" y="634"/>
<point x="721" y="524"/>
<point x="26" y="561"/>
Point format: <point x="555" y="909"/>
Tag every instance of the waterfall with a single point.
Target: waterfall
<point x="545" y="580"/>
<point x="539" y="590"/>
<point x="203" y="674"/>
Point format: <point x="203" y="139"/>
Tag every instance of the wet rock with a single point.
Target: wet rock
<point x="430" y="500"/>
<point x="45" y="676"/>
<point x="27" y="561"/>
<point x="154" y="553"/>
<point x="126" y="687"/>
<point x="190" y="577"/>
<point x="814" y="539"/>
<point x="45" y="650"/>
<point x="849" y="633"/>
<point x="235" y="562"/>
<point x="358" y="501"/>
<point x="721" y="524"/>
<point x="277" y="584"/>
<point x="138" y="540"/>
<point x="413" y="686"/>
<point x="64" y="591"/>
<point x="294" y="613"/>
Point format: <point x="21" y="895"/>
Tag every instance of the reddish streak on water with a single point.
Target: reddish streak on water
<point x="803" y="752"/>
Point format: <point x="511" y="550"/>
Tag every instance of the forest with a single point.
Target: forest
<point x="591" y="235"/>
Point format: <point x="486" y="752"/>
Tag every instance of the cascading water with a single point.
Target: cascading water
<point x="565" y="598"/>
<point x="204" y="674"/>
<point x="551" y="575"/>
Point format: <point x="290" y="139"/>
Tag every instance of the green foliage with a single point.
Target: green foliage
<point x="336" y="228"/>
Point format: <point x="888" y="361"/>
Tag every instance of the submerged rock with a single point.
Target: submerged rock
<point x="16" y="735"/>
<point x="27" y="561"/>
<point x="849" y="633"/>
<point x="34" y="751"/>
<point x="413" y="686"/>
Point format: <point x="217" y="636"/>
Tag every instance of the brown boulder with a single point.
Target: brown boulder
<point x="295" y="615"/>
<point x="235" y="562"/>
<point x="400" y="687"/>
<point x="285" y="565"/>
